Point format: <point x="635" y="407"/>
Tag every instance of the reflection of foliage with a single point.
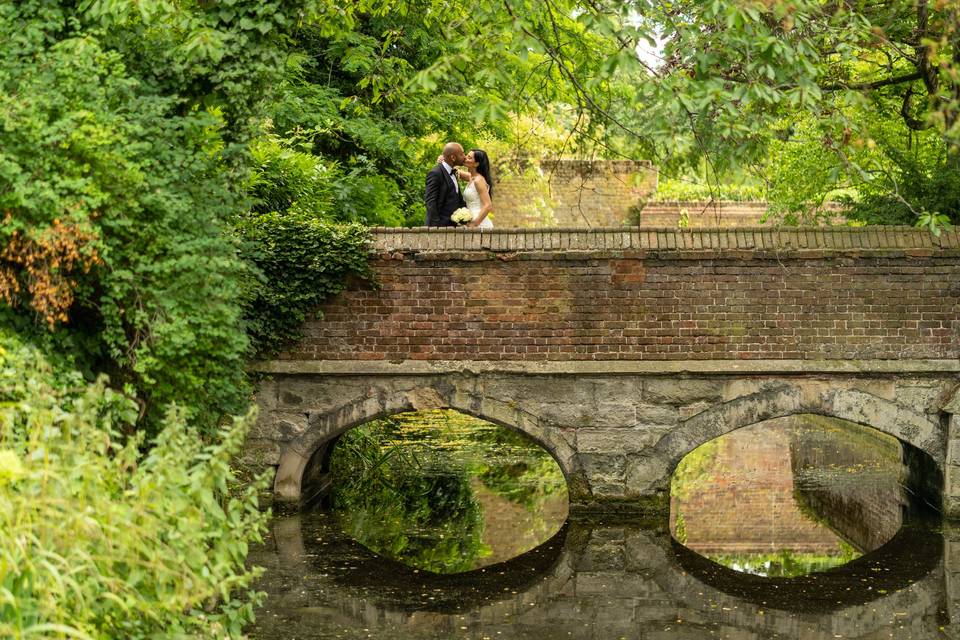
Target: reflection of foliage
<point x="786" y="564"/>
<point x="403" y="484"/>
<point x="525" y="481"/>
<point x="680" y="529"/>
<point x="695" y="469"/>
<point x="431" y="521"/>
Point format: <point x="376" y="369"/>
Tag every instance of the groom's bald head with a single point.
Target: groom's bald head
<point x="453" y="153"/>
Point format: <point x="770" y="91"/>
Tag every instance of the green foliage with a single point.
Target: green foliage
<point x="685" y="190"/>
<point x="380" y="96"/>
<point x="431" y="520"/>
<point x="405" y="485"/>
<point x="98" y="540"/>
<point x="285" y="179"/>
<point x="695" y="470"/>
<point x="914" y="192"/>
<point x="132" y="130"/>
<point x="728" y="83"/>
<point x="301" y="262"/>
<point x="785" y="563"/>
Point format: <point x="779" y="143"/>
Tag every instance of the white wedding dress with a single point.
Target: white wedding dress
<point x="472" y="200"/>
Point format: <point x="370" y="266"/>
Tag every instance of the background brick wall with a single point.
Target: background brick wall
<point x="663" y="295"/>
<point x="570" y="193"/>
<point x="703" y="214"/>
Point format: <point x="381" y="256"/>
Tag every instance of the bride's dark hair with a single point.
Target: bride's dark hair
<point x="483" y="167"/>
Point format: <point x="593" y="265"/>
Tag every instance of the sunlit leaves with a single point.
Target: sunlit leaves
<point x="101" y="540"/>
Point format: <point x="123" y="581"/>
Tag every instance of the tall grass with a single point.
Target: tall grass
<point x="101" y="540"/>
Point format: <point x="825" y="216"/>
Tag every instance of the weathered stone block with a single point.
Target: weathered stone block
<point x="657" y="414"/>
<point x="612" y="440"/>
<point x="646" y="476"/>
<point x="681" y="391"/>
<point x="690" y="410"/>
<point x="281" y="426"/>
<point x="261" y="453"/>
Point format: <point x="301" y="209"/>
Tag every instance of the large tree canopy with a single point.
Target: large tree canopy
<point x="867" y="92"/>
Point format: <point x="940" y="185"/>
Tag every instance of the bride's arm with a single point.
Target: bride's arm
<point x="484" y="192"/>
<point x="461" y="173"/>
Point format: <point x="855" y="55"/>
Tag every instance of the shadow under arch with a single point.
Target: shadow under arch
<point x="351" y="565"/>
<point x="921" y="438"/>
<point x="306" y="458"/>
<point x="828" y="590"/>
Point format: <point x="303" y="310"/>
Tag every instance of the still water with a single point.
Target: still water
<point x="443" y="527"/>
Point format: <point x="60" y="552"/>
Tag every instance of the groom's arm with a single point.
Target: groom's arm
<point x="432" y="199"/>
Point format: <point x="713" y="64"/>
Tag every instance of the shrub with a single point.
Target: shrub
<point x="287" y="179"/>
<point x="115" y="185"/>
<point x="98" y="540"/>
<point x="915" y="188"/>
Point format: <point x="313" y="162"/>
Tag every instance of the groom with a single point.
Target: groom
<point x="443" y="191"/>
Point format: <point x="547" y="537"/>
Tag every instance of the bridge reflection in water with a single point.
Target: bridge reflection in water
<point x="791" y="496"/>
<point x="592" y="581"/>
<point x="818" y="508"/>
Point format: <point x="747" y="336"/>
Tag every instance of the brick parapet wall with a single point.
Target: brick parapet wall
<point x="665" y="294"/>
<point x="820" y="241"/>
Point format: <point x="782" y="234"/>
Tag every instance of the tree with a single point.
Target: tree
<point x="725" y="81"/>
<point x="122" y="161"/>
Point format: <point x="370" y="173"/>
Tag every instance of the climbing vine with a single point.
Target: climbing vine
<point x="301" y="262"/>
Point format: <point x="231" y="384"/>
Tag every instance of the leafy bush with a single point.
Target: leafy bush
<point x="302" y="262"/>
<point x="118" y="169"/>
<point x="430" y="518"/>
<point x="285" y="179"/>
<point x="98" y="540"/>
<point x="914" y="188"/>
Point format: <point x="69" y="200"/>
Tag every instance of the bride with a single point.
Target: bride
<point x="479" y="190"/>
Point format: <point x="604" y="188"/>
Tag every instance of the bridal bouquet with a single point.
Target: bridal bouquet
<point x="462" y="216"/>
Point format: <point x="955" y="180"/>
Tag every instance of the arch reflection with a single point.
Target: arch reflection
<point x="445" y="492"/>
<point x="793" y="496"/>
<point x="592" y="581"/>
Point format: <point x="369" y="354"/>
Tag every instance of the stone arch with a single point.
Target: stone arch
<point x="650" y="475"/>
<point x="378" y="402"/>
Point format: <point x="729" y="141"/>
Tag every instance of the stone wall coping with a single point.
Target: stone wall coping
<point x="709" y="203"/>
<point x="617" y="367"/>
<point x="697" y="243"/>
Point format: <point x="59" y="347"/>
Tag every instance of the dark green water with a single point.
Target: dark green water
<point x="439" y="528"/>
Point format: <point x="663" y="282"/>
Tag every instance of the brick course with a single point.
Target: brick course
<point x="659" y="294"/>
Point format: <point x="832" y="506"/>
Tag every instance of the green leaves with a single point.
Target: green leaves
<point x="300" y="263"/>
<point x="98" y="540"/>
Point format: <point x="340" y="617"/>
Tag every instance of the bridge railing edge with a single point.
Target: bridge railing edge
<point x="670" y="239"/>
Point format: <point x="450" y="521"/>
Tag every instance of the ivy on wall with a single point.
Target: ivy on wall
<point x="302" y="262"/>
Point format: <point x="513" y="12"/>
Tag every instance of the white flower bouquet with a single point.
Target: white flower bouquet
<point x="462" y="216"/>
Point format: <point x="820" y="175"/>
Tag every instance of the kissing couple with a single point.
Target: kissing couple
<point x="449" y="205"/>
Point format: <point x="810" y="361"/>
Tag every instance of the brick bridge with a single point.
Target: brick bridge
<point x="622" y="350"/>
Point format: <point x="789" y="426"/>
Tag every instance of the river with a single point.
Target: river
<point x="442" y="526"/>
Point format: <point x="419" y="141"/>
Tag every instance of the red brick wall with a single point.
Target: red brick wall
<point x="792" y="295"/>
<point x="717" y="213"/>
<point x="703" y="214"/>
<point x="572" y="193"/>
<point x="745" y="502"/>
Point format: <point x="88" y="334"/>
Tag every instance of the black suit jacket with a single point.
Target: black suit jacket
<point x="441" y="198"/>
